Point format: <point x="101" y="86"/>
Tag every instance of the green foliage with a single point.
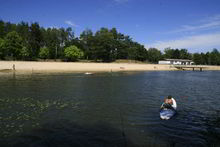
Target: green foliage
<point x="168" y="53"/>
<point x="204" y="59"/>
<point x="212" y="58"/>
<point x="9" y="27"/>
<point x="2" y="48"/>
<point x="73" y="53"/>
<point x="56" y="39"/>
<point x="23" y="31"/>
<point x="132" y="53"/>
<point x="176" y="54"/>
<point x="215" y="57"/>
<point x="44" y="53"/>
<point x="13" y="44"/>
<point x="184" y="54"/>
<point x="104" y="45"/>
<point x="35" y="39"/>
<point x="87" y="42"/>
<point x="197" y="58"/>
<point x="26" y="42"/>
<point x="139" y="52"/>
<point x="25" y="53"/>
<point x="154" y="55"/>
<point x="2" y="29"/>
<point x="52" y="41"/>
<point x="109" y="45"/>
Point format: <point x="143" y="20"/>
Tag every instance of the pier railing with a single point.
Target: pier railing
<point x="193" y="67"/>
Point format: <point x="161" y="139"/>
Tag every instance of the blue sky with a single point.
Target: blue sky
<point x="191" y="24"/>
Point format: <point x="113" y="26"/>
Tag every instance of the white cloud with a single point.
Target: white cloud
<point x="199" y="37"/>
<point x="197" y="43"/>
<point x="71" y="23"/>
<point x="211" y="18"/>
<point x="55" y="27"/>
<point x="208" y="23"/>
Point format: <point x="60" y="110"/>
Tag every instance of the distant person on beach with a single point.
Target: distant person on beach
<point x="169" y="103"/>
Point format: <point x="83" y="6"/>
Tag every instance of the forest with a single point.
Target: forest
<point x="32" y="42"/>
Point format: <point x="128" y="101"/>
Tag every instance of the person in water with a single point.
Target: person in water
<point x="169" y="103"/>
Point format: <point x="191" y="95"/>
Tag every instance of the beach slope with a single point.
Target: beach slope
<point x="29" y="66"/>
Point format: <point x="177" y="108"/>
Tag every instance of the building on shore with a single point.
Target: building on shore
<point x="176" y="62"/>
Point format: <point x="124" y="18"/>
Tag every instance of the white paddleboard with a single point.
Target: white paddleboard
<point x="167" y="113"/>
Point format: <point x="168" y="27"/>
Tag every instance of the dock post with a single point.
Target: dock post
<point x="200" y="69"/>
<point x="193" y="68"/>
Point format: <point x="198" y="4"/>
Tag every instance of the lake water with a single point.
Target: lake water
<point x="109" y="109"/>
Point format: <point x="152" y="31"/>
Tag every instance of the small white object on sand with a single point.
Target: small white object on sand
<point x="88" y="73"/>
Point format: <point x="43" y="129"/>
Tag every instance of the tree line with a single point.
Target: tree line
<point x="30" y="42"/>
<point x="24" y="41"/>
<point x="208" y="58"/>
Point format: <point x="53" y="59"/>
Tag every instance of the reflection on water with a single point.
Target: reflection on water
<point x="109" y="109"/>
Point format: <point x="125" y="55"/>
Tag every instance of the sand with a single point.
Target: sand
<point x="29" y="66"/>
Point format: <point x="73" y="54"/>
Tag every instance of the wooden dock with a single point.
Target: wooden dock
<point x="193" y="67"/>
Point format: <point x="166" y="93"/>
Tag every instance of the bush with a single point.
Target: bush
<point x="44" y="53"/>
<point x="2" y="50"/>
<point x="13" y="44"/>
<point x="73" y="53"/>
<point x="25" y="53"/>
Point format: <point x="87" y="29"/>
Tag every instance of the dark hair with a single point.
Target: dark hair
<point x="169" y="97"/>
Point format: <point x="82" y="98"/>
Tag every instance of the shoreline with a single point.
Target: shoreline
<point x="34" y="66"/>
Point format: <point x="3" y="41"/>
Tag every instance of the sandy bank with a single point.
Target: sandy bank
<point x="85" y="67"/>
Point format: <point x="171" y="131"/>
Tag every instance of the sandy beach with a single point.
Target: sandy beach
<point x="29" y="66"/>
